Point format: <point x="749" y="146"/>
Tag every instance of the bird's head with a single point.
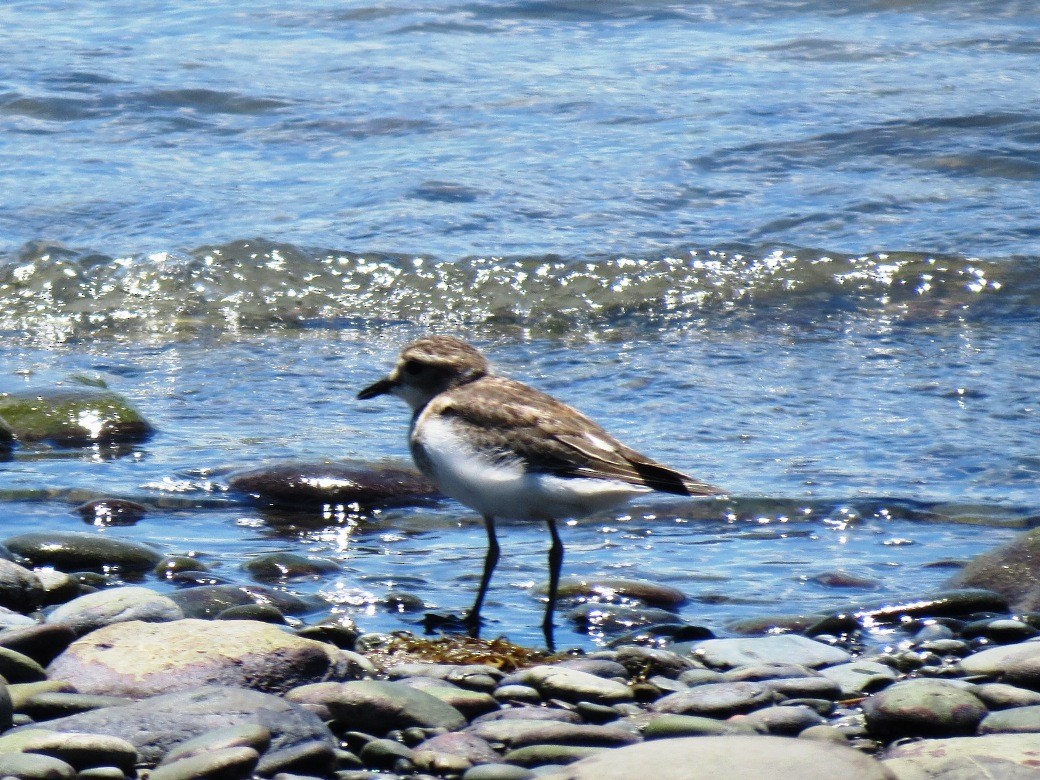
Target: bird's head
<point x="428" y="367"/>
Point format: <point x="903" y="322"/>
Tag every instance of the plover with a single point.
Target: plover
<point x="513" y="452"/>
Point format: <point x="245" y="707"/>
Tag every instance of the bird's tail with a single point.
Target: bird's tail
<point x="669" y="480"/>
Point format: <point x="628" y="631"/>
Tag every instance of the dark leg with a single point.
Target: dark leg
<point x="555" y="564"/>
<point x="490" y="560"/>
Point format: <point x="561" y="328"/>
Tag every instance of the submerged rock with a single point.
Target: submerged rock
<point x="319" y="483"/>
<point x="208" y="601"/>
<point x="138" y="659"/>
<point x="111" y="511"/>
<point x="1012" y="570"/>
<point x="72" y="415"/>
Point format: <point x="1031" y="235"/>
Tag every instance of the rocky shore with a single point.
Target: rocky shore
<point x="124" y="681"/>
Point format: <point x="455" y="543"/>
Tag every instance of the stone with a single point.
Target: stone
<point x="40" y="641"/>
<point x="20" y="589"/>
<point x="1000" y="696"/>
<point x="72" y="415"/>
<point x="477" y="677"/>
<point x="614" y="589"/>
<point x="377" y="706"/>
<point x="104" y="512"/>
<point x="77" y="550"/>
<point x="996" y="756"/>
<point x="571" y="685"/>
<point x="157" y="724"/>
<point x="712" y="758"/>
<point x="286" y="565"/>
<point x="115" y="605"/>
<point x="498" y="772"/>
<point x="519" y="733"/>
<point x="6" y="707"/>
<point x="222" y="764"/>
<point x="469" y="703"/>
<point x="959" y="602"/>
<point x="1016" y="664"/>
<point x="666" y="726"/>
<point x="648" y="661"/>
<point x="786" y="721"/>
<point x="208" y="601"/>
<point x="541" y="755"/>
<point x="138" y="659"/>
<point x="616" y="618"/>
<point x="83" y="751"/>
<point x="1012" y="570"/>
<point x="860" y="677"/>
<point x="47" y="705"/>
<point x="18" y="668"/>
<point x="461" y="743"/>
<point x="308" y="484"/>
<point x="1020" y="720"/>
<point x="251" y="735"/>
<point x="720" y="700"/>
<point x="30" y="766"/>
<point x="923" y="708"/>
<point x="781" y="648"/>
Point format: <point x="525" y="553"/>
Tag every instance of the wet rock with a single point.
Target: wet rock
<point x="208" y="601"/>
<point x="1020" y="720"/>
<point x="477" y="677"/>
<point x="712" y="758"/>
<point x="463" y="744"/>
<point x="316" y="484"/>
<point x="72" y="415"/>
<point x="999" y="696"/>
<point x="376" y="707"/>
<point x="18" y="668"/>
<point x="251" y="735"/>
<point x="172" y="565"/>
<point x="571" y="685"/>
<point x="765" y="624"/>
<point x="117" y="605"/>
<point x="340" y="631"/>
<point x="72" y="551"/>
<point x="141" y="659"/>
<point x="844" y="579"/>
<point x="1003" y="756"/>
<point x="11" y="619"/>
<point x="614" y="618"/>
<point x="601" y="667"/>
<point x="20" y="589"/>
<point x="58" y="587"/>
<point x="949" y="603"/>
<point x="29" y="766"/>
<point x="83" y="751"/>
<point x="1012" y="570"/>
<point x="717" y="700"/>
<point x="48" y="705"/>
<point x="264" y="613"/>
<point x="923" y="708"/>
<point x="649" y="661"/>
<point x="284" y="565"/>
<point x="498" y="772"/>
<point x="223" y="764"/>
<point x="783" y="648"/>
<point x="617" y="589"/>
<point x="860" y="677"/>
<point x="553" y="755"/>
<point x="1015" y="664"/>
<point x="666" y="726"/>
<point x="6" y="437"/>
<point x="788" y="721"/>
<point x="104" y="512"/>
<point x="469" y="703"/>
<point x="157" y="724"/>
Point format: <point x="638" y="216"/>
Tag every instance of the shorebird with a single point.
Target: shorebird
<point x="510" y="451"/>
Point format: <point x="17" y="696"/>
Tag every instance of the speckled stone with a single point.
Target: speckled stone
<point x="923" y="707"/>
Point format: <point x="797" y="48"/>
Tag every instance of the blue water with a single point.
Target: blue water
<point x="791" y="248"/>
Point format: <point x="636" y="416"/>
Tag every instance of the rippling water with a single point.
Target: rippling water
<point x="788" y="247"/>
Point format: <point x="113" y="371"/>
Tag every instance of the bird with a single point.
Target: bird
<point x="510" y="451"/>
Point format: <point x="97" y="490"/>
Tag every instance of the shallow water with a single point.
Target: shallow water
<point x="788" y="248"/>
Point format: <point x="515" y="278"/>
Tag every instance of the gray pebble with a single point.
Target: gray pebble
<point x="517" y="693"/>
<point x="1000" y="696"/>
<point x="716" y="699"/>
<point x="83" y="751"/>
<point x="498" y="772"/>
<point x="224" y="764"/>
<point x="784" y="720"/>
<point x="1020" y="720"/>
<point x="252" y="735"/>
<point x="117" y="605"/>
<point x="923" y="707"/>
<point x="31" y="766"/>
<point x="782" y="648"/>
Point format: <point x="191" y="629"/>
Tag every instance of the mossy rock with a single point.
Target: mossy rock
<point x="72" y="416"/>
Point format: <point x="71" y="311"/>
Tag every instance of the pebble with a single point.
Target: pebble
<point x="1019" y="720"/>
<point x="860" y="677"/>
<point x="377" y="706"/>
<point x="997" y="756"/>
<point x="923" y="707"/>
<point x="207" y="601"/>
<point x="41" y="642"/>
<point x="75" y="550"/>
<point x="54" y="414"/>
<point x="104" y="512"/>
<point x="20" y="588"/>
<point x="518" y="733"/>
<point x="671" y="726"/>
<point x="31" y="766"/>
<point x="223" y="764"/>
<point x="498" y="772"/>
<point x="251" y="735"/>
<point x="720" y="700"/>
<point x="1000" y="696"/>
<point x="84" y="751"/>
<point x="116" y="605"/>
<point x="612" y="589"/>
<point x="284" y="565"/>
<point x="571" y="685"/>
<point x="782" y="648"/>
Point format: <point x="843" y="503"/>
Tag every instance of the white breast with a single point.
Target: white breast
<point x="503" y="487"/>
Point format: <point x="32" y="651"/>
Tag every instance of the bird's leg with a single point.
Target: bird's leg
<point x="555" y="564"/>
<point x="490" y="560"/>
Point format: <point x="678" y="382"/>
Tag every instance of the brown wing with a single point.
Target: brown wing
<point x="551" y="437"/>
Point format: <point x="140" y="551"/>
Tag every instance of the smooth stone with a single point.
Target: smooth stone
<point x="844" y="579"/>
<point x="519" y="733"/>
<point x="948" y="603"/>
<point x="20" y="588"/>
<point x="116" y="605"/>
<point x="469" y="703"/>
<point x="824" y="733"/>
<point x="342" y="634"/>
<point x="312" y="758"/>
<point x="613" y="589"/>
<point x="104" y="512"/>
<point x="464" y="744"/>
<point x="477" y="677"/>
<point x="1016" y="664"/>
<point x="787" y="721"/>
<point x="18" y="668"/>
<point x="531" y="713"/>
<point x="315" y="484"/>
<point x="1012" y="570"/>
<point x="208" y="601"/>
<point x="1020" y="720"/>
<point x="716" y="699"/>
<point x="540" y="755"/>
<point x="572" y="685"/>
<point x="1000" y="696"/>
<point x="264" y="613"/>
<point x="694" y="677"/>
<point x="48" y="705"/>
<point x="23" y="692"/>
<point x="615" y="618"/>
<point x="83" y="751"/>
<point x="805" y="687"/>
<point x="6" y="707"/>
<point x="648" y="661"/>
<point x="995" y="756"/>
<point x="672" y="726"/>
<point x="176" y="564"/>
<point x="138" y="659"/>
<point x="860" y="677"/>
<point x="432" y="762"/>
<point x="58" y="586"/>
<point x="729" y="757"/>
<point x="158" y="724"/>
<point x="251" y="735"/>
<point x="101" y="773"/>
<point x="524" y="694"/>
<point x="782" y="648"/>
<point x="31" y="766"/>
<point x="72" y="416"/>
<point x="766" y="624"/>
<point x="385" y="753"/>
<point x="601" y="667"/>
<point x="40" y="641"/>
<point x="377" y="706"/>
<point x="285" y="565"/>
<point x="498" y="772"/>
<point x="223" y="764"/>
<point x="11" y="619"/>
<point x="923" y="708"/>
<point x="762" y="672"/>
<point x="74" y="550"/>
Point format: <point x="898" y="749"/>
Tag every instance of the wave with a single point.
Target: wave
<point x="258" y="284"/>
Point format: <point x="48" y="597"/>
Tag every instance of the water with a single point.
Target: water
<point x="789" y="248"/>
